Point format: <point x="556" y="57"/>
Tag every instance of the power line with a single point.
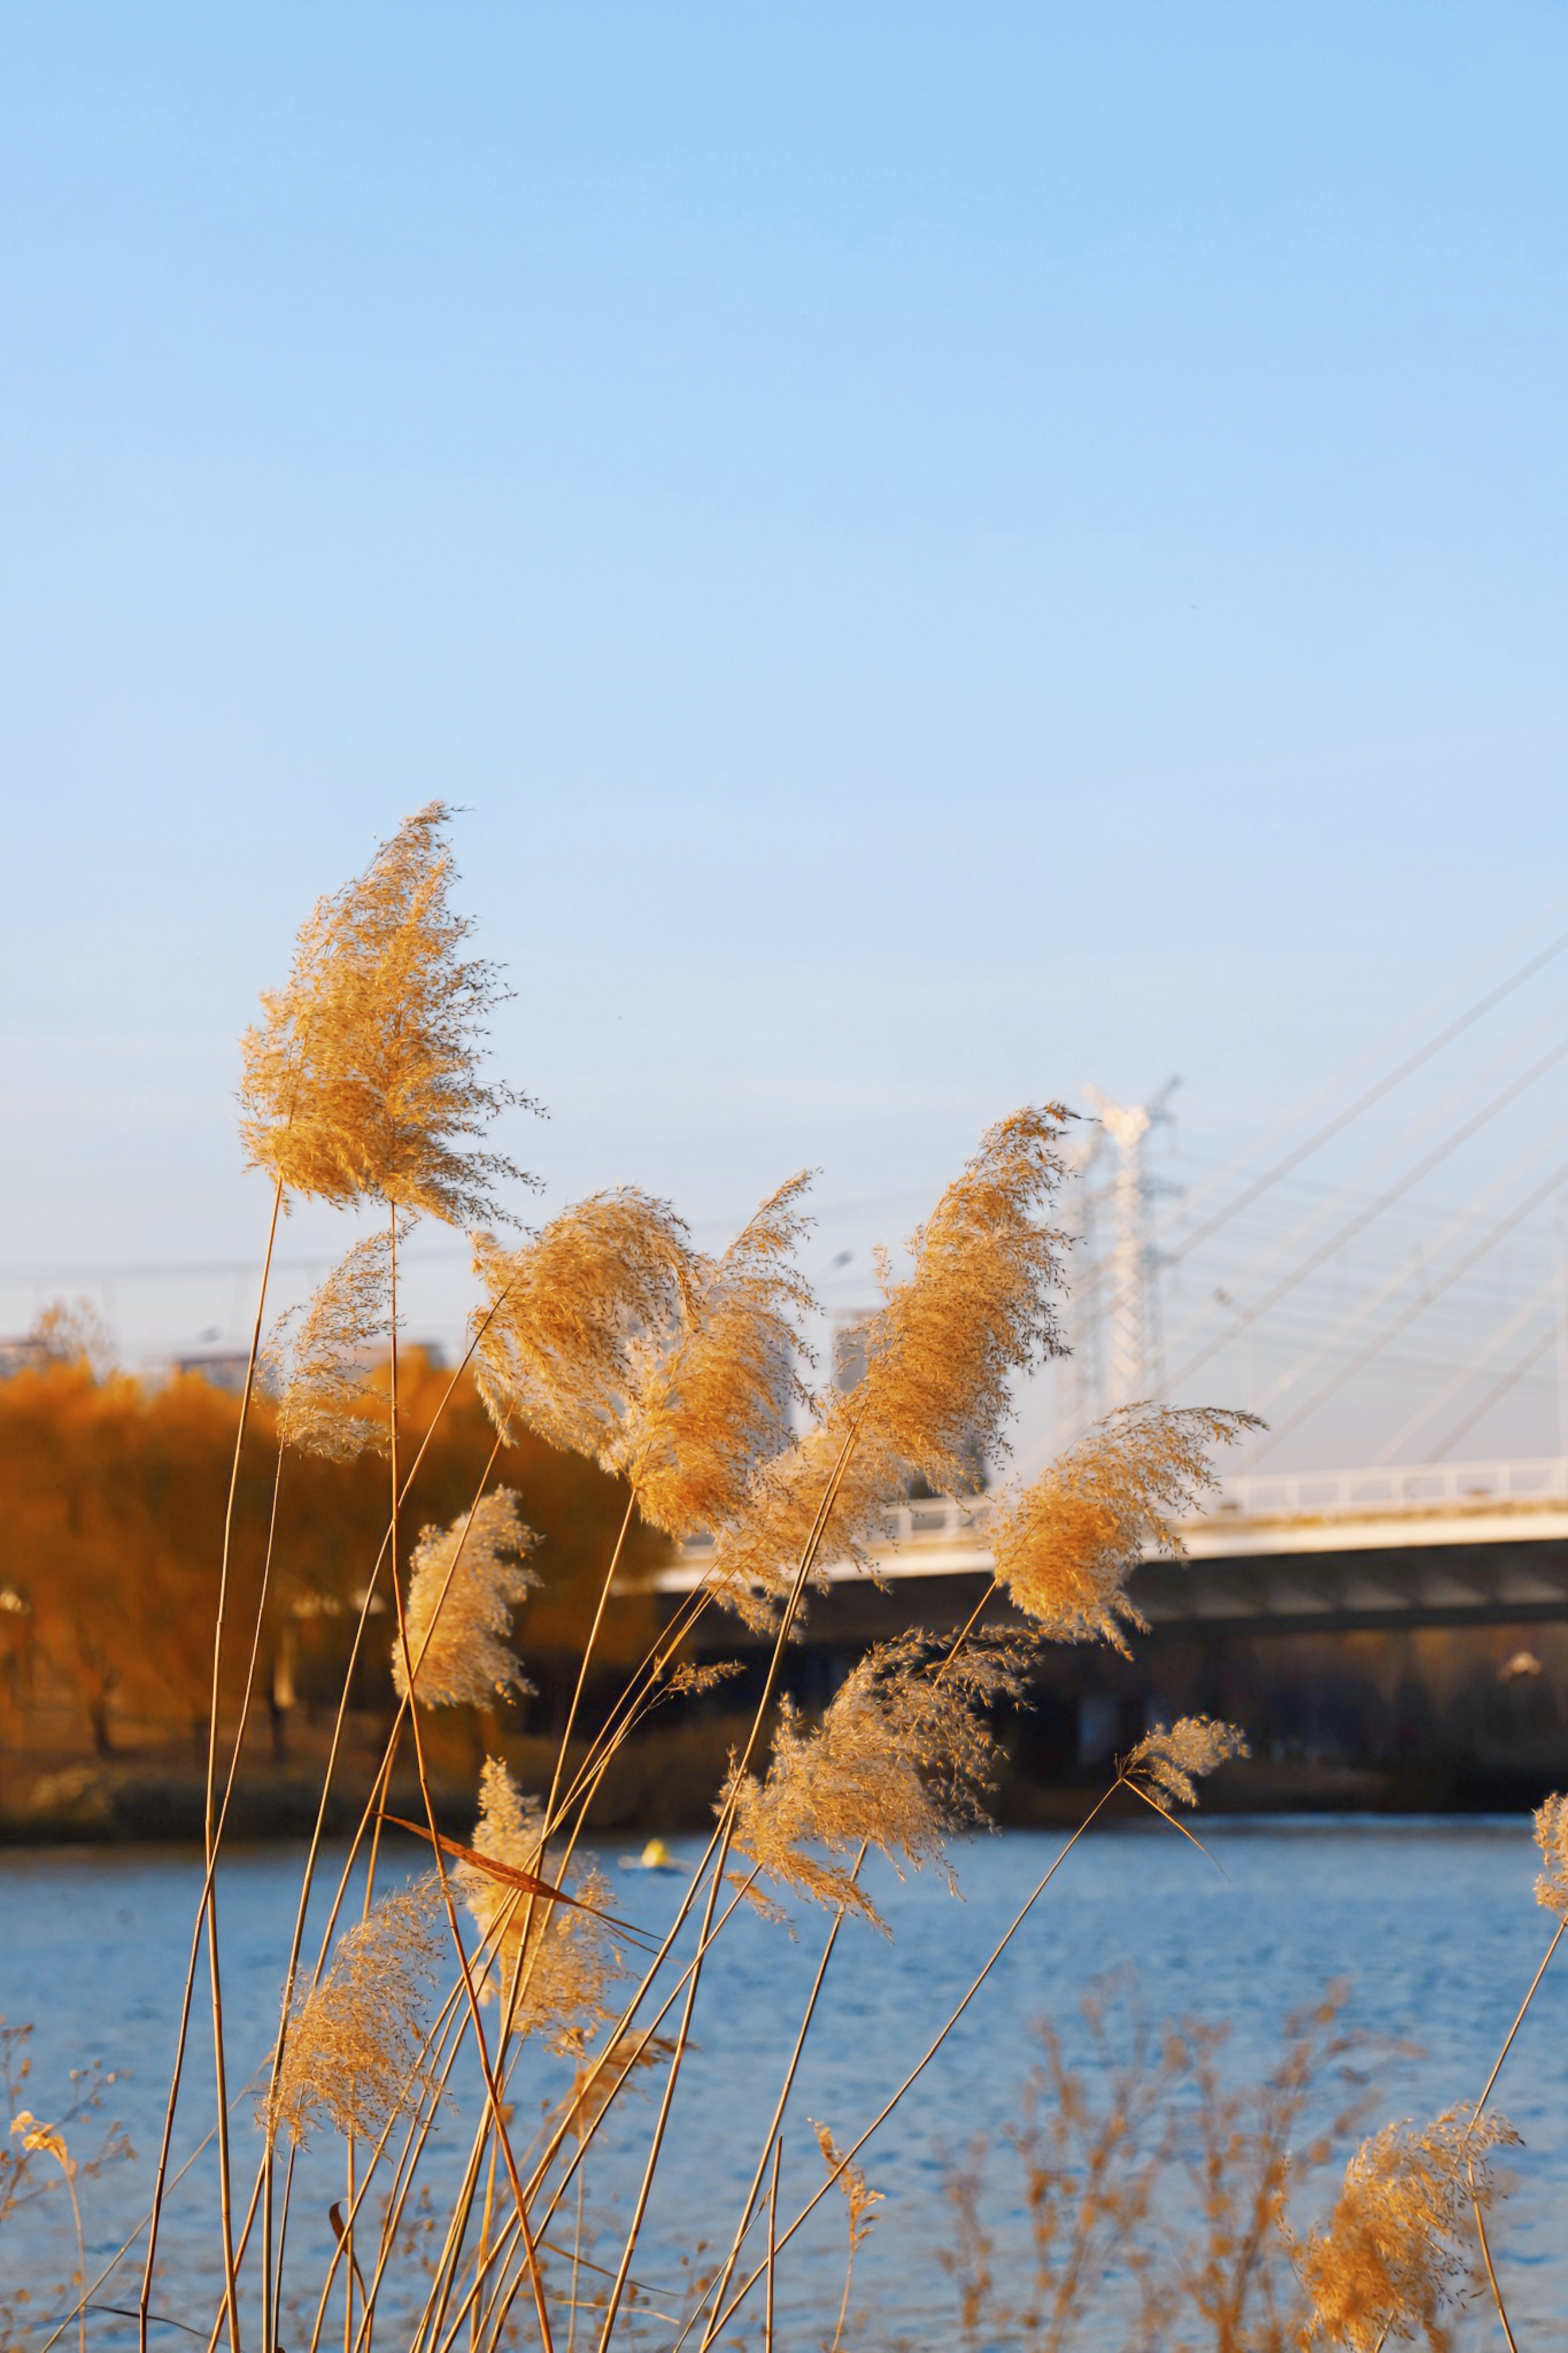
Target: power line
<point x="1401" y="1030"/>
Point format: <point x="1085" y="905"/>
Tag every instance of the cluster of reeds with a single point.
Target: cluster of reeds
<point x="608" y="1332"/>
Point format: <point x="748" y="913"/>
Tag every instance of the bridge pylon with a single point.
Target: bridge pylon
<point x="1134" y="1360"/>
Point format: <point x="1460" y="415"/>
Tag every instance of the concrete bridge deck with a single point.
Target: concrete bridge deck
<point x="1424" y="1545"/>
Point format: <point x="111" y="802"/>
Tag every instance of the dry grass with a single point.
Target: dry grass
<point x="1066" y="1546"/>
<point x="606" y="1333"/>
<point x="355" y="2052"/>
<point x="464" y="1583"/>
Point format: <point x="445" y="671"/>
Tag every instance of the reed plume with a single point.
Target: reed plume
<point x="900" y="1761"/>
<point x="715" y="1407"/>
<point x="1168" y="1762"/>
<point x="859" y="2200"/>
<point x="324" y="1386"/>
<point x="974" y="1310"/>
<point x="600" y="2076"/>
<point x="857" y="2197"/>
<point x="1400" y="2232"/>
<point x="551" y="1962"/>
<point x="607" y="1332"/>
<point x="464" y="1583"/>
<point x="1552" y="1837"/>
<point x="363" y="1079"/>
<point x="557" y="1344"/>
<point x="1065" y="1547"/>
<point x="353" y="2053"/>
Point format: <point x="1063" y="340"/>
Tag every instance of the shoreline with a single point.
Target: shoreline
<point x="664" y="1787"/>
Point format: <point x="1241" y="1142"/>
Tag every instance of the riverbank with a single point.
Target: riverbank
<point x="665" y="1783"/>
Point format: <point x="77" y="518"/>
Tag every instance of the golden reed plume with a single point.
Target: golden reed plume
<point x="1552" y="1837"/>
<point x="557" y="1342"/>
<point x="1401" y="2231"/>
<point x="1170" y="1761"/>
<point x="900" y="1760"/>
<point x="599" y="2078"/>
<point x="363" y="1079"/>
<point x="464" y="1583"/>
<point x="352" y="2050"/>
<point x="607" y="1332"/>
<point x="1064" y="1546"/>
<point x="324" y="1383"/>
<point x="551" y="1964"/>
<point x="974" y="1310"/>
<point x="712" y="1409"/>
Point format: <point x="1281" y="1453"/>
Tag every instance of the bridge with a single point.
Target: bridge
<point x="1442" y="1544"/>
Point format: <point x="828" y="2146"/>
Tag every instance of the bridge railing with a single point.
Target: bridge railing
<point x="962" y="1519"/>
<point x="1396" y="1487"/>
<point x="1401" y="1488"/>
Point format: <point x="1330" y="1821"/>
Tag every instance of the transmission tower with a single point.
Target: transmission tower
<point x="1136" y="1369"/>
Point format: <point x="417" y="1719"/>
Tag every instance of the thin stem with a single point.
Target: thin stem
<point x="646" y="2188"/>
<point x="587" y="1655"/>
<point x="721" y="1842"/>
<point x="1519" y="2022"/>
<point x="372" y="1805"/>
<point x="492" y="2089"/>
<point x="207" y="1908"/>
<point x="773" y="2241"/>
<point x="317" y="1831"/>
<point x="585" y="2134"/>
<point x="1486" y="2254"/>
<point x="784" y="2089"/>
<point x="965" y="1631"/>
<point x="923" y="2063"/>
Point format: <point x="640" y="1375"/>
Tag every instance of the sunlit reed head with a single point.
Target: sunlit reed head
<point x="607" y="1332"/>
<point x="1401" y="2233"/>
<point x="550" y="1964"/>
<point x="1064" y="1546"/>
<point x="901" y="1760"/>
<point x="464" y="1583"/>
<point x="1552" y="1837"/>
<point x="710" y="1411"/>
<point x="557" y="1341"/>
<point x="321" y="1365"/>
<point x="1170" y="1761"/>
<point x="976" y="1309"/>
<point x="353" y="2053"/>
<point x="363" y="1079"/>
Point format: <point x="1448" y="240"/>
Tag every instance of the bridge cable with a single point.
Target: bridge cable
<point x="1265" y="1259"/>
<point x="1364" y="1101"/>
<point x="1365" y="1217"/>
<point x="1407" y="1315"/>
<point x="1465" y="1374"/>
<point x="1382" y="1045"/>
<point x="1415" y="1264"/>
<point x="1499" y="1390"/>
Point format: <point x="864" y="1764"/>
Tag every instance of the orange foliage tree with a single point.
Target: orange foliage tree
<point x="112" y="1503"/>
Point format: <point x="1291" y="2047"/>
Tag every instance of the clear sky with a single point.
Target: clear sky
<point x="949" y="552"/>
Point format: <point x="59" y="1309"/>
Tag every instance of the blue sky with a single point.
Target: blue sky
<point x="949" y="553"/>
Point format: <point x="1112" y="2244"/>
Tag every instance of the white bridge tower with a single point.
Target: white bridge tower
<point x="1134" y="1358"/>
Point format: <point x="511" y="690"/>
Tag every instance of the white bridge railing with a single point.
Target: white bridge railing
<point x="1397" y="1487"/>
<point x="1401" y="1489"/>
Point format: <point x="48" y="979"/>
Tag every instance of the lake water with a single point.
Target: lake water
<point x="1433" y="1923"/>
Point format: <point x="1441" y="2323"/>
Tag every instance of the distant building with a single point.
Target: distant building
<point x="224" y="1368"/>
<point x="27" y="1355"/>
